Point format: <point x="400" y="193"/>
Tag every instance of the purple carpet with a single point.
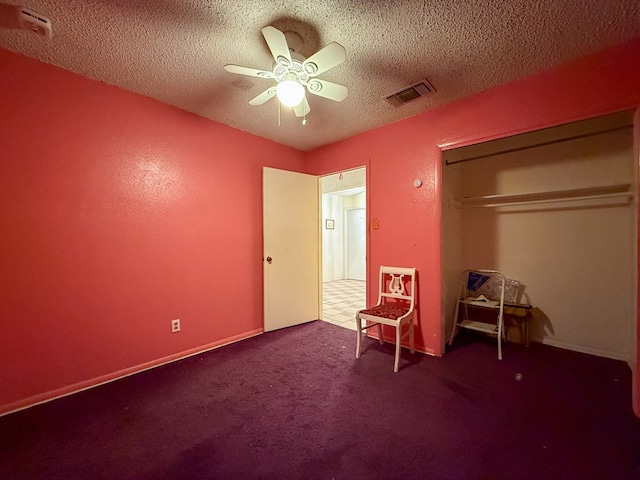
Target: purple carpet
<point x="296" y="404"/>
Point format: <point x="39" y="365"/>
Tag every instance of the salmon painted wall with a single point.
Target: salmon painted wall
<point x="636" y="383"/>
<point x="119" y="214"/>
<point x="396" y="155"/>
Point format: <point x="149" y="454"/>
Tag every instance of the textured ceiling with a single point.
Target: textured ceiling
<point x="175" y="51"/>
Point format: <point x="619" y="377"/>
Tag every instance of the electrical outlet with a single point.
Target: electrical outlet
<point x="175" y="325"/>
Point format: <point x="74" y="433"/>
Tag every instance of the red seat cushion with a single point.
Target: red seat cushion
<point x="392" y="312"/>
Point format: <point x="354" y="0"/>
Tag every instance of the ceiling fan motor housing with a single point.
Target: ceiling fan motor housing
<point x="296" y="68"/>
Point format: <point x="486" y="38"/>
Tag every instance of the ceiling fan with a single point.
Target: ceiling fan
<point x="293" y="73"/>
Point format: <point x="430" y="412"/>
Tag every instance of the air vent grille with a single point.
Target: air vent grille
<point x="410" y="93"/>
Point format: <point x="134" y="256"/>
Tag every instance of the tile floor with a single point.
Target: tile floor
<point x="340" y="301"/>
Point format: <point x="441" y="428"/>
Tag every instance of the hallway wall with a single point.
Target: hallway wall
<point x="332" y="239"/>
<point x="340" y="191"/>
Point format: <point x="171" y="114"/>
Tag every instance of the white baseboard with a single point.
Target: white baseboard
<point x="613" y="354"/>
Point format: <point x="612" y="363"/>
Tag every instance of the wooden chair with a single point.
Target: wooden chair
<point x="396" y="307"/>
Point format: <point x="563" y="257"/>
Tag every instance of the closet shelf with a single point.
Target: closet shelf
<point x="618" y="191"/>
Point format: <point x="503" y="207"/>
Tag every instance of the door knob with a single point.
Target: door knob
<point x="269" y="260"/>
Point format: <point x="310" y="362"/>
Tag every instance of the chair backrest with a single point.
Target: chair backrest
<point x="392" y="284"/>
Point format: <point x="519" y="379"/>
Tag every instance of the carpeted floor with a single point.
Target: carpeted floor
<point x="296" y="404"/>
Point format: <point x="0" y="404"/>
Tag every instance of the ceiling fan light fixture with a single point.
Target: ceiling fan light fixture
<point x="290" y="93"/>
<point x="295" y="74"/>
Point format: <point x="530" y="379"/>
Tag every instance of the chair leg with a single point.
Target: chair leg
<point x="359" y="332"/>
<point x="500" y="333"/>
<point x="380" y="334"/>
<point x="398" y="342"/>
<point x="411" y="339"/>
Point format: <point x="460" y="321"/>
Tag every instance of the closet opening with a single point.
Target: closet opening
<point x="556" y="210"/>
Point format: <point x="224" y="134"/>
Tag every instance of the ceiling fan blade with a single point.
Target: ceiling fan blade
<point x="252" y="72"/>
<point x="277" y="43"/>
<point x="302" y="108"/>
<point x="324" y="59"/>
<point x="264" y="96"/>
<point x="330" y="90"/>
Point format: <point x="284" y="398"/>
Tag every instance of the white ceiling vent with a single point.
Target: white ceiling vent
<point x="407" y="94"/>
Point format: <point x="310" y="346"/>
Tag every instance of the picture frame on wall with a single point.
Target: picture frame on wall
<point x="329" y="224"/>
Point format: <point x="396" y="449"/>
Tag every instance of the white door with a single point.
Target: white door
<point x="291" y="248"/>
<point x="356" y="244"/>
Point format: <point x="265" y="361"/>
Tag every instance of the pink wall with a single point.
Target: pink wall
<point x="636" y="383"/>
<point x="409" y="233"/>
<point x="118" y="214"/>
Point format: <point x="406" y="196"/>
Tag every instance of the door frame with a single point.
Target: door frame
<point x="364" y="167"/>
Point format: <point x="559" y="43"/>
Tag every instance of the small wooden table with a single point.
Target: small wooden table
<point x="521" y="313"/>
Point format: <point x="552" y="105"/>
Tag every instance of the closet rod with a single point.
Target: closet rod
<point x="626" y="196"/>
<point x="541" y="144"/>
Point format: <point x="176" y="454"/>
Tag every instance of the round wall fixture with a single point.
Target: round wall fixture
<point x="417" y="183"/>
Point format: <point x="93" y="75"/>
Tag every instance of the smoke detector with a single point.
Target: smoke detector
<point x="409" y="93"/>
<point x="30" y="20"/>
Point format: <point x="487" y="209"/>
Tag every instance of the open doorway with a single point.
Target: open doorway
<point x="344" y="240"/>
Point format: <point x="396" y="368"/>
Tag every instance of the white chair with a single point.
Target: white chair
<point x="396" y="307"/>
<point x="483" y="290"/>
